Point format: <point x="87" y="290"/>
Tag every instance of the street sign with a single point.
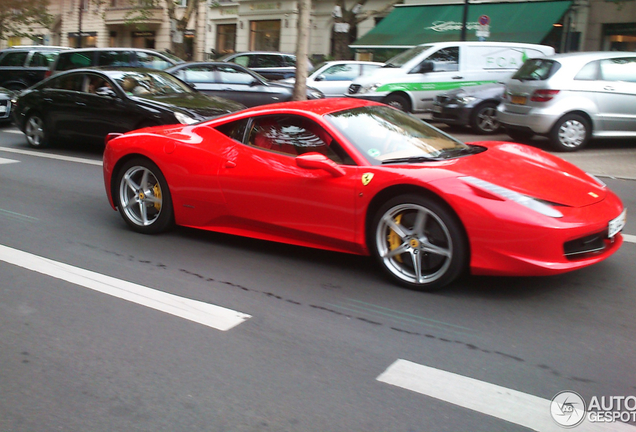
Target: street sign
<point x="484" y="20"/>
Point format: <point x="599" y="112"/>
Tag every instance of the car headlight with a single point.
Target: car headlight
<point x="465" y="100"/>
<point x="184" y="119"/>
<point x="524" y="200"/>
<point x="370" y="88"/>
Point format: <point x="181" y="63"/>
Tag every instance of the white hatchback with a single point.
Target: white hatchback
<point x="571" y="98"/>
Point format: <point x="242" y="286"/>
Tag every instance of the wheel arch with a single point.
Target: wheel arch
<point x="581" y="113"/>
<point x="403" y="94"/>
<point x="117" y="167"/>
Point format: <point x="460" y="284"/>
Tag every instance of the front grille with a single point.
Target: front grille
<point x="585" y="245"/>
<point x="442" y="100"/>
<point x="354" y="88"/>
<point x="7" y="109"/>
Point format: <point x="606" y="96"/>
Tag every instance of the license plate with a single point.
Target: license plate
<point x="616" y="225"/>
<point x="3" y="109"/>
<point x="518" y="100"/>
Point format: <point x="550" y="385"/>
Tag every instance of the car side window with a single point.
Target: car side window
<point x="198" y="74"/>
<point x="39" y="59"/>
<point x="74" y="60"/>
<point x="369" y="68"/>
<point x="589" y="72"/>
<point x="290" y="60"/>
<point x="268" y="60"/>
<point x="343" y="72"/>
<point x="151" y="61"/>
<point x="235" y="130"/>
<point x="291" y="135"/>
<point x="446" y="59"/>
<point x="242" y="60"/>
<point x="230" y="75"/>
<point x="618" y="69"/>
<point x="114" y="58"/>
<point x="13" y="59"/>
<point x="68" y="82"/>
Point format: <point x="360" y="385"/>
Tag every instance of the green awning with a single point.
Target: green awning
<point x="410" y="25"/>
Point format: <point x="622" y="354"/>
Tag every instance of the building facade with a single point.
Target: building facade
<point x="245" y="25"/>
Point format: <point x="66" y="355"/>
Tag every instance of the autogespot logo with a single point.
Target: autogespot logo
<point x="568" y="409"/>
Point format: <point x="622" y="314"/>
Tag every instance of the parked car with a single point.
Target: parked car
<point x="411" y="80"/>
<point x="235" y="82"/>
<point x="87" y="104"/>
<point x="271" y="65"/>
<point x="5" y="104"/>
<point x="571" y="98"/>
<point x="114" y="57"/>
<point x="23" y="66"/>
<point x="470" y="106"/>
<point x="364" y="178"/>
<point x="333" y="78"/>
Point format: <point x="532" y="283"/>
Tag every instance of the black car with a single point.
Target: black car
<point x="235" y="82"/>
<point x="5" y="104"/>
<point x="23" y="66"/>
<point x="470" y="106"/>
<point x="271" y="65"/>
<point x="87" y="104"/>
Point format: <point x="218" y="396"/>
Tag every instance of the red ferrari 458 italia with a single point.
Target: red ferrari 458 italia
<point x="364" y="178"/>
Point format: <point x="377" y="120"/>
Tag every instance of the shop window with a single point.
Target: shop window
<point x="265" y="35"/>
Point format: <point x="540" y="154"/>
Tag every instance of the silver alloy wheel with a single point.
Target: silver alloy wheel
<point x="572" y="133"/>
<point x="414" y="243"/>
<point x="34" y="131"/>
<point x="140" y="196"/>
<point x="486" y="120"/>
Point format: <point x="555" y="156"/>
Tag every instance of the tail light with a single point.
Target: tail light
<point x="47" y="73"/>
<point x="543" y="95"/>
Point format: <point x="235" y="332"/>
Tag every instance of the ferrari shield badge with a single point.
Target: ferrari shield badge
<point x="366" y="178"/>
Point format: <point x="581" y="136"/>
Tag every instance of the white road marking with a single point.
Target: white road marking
<point x="513" y="406"/>
<point x="207" y="314"/>
<point x="629" y="238"/>
<point x="7" y="161"/>
<point x="52" y="156"/>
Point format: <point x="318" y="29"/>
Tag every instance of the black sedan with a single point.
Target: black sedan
<point x="5" y="104"/>
<point x="470" y="106"/>
<point x="235" y="82"/>
<point x="88" y="104"/>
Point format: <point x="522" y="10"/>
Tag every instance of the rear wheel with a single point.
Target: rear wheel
<point x="398" y="101"/>
<point x="483" y="119"/>
<point x="36" y="131"/>
<point x="571" y="133"/>
<point x="419" y="242"/>
<point x="142" y="197"/>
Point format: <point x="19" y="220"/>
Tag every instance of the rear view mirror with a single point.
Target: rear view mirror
<point x="105" y="91"/>
<point x="426" y="66"/>
<point x="315" y="160"/>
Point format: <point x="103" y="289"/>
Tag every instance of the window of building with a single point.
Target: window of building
<point x="225" y="38"/>
<point x="265" y="35"/>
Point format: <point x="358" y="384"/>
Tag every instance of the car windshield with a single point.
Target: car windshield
<point x="150" y="83"/>
<point x="386" y="135"/>
<point x="403" y="58"/>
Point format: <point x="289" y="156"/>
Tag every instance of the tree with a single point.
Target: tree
<point x="20" y="17"/>
<point x="346" y="23"/>
<point x="302" y="43"/>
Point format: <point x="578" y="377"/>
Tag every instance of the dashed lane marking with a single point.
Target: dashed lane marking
<point x="629" y="238"/>
<point x="52" y="156"/>
<point x="7" y="161"/>
<point x="510" y="405"/>
<point x="207" y="314"/>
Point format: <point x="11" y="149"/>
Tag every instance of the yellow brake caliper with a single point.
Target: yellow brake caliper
<point x="157" y="191"/>
<point x="394" y="240"/>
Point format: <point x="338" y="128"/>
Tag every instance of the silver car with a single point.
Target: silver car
<point x="571" y="98"/>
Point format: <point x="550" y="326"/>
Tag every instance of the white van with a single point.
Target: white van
<point x="411" y="80"/>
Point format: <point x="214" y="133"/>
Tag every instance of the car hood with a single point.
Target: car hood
<point x="534" y="173"/>
<point x="196" y="104"/>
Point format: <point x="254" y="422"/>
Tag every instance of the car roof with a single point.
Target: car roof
<point x="592" y="55"/>
<point x="318" y="107"/>
<point x="36" y="47"/>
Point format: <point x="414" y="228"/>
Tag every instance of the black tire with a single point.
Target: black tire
<point x="142" y="197"/>
<point x="36" y="131"/>
<point x="419" y="242"/>
<point x="398" y="101"/>
<point x="519" y="135"/>
<point x="571" y="133"/>
<point x="483" y="119"/>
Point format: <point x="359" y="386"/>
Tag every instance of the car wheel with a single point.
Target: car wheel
<point x="483" y="119"/>
<point x="519" y="135"/>
<point x="419" y="242"/>
<point x="398" y="101"/>
<point x="143" y="198"/>
<point x="36" y="133"/>
<point x="572" y="132"/>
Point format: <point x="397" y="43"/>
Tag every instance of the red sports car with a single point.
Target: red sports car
<point x="364" y="178"/>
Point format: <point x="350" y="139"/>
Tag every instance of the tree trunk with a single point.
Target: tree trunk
<point x="302" y="43"/>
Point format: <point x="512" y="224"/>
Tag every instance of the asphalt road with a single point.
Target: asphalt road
<point x="102" y="329"/>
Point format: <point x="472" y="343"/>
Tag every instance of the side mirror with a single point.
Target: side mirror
<point x="426" y="66"/>
<point x="255" y="83"/>
<point x="105" y="91"/>
<point x="319" y="78"/>
<point x="315" y="160"/>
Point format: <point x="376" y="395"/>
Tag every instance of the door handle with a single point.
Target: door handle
<point x="608" y="88"/>
<point x="80" y="103"/>
<point x="230" y="164"/>
<point x="458" y="77"/>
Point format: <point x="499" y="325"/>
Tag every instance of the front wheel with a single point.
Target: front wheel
<point x="398" y="101"/>
<point x="484" y="119"/>
<point x="572" y="132"/>
<point x="143" y="198"/>
<point x="419" y="242"/>
<point x="36" y="131"/>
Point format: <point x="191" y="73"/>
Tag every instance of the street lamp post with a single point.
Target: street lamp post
<point x="464" y="19"/>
